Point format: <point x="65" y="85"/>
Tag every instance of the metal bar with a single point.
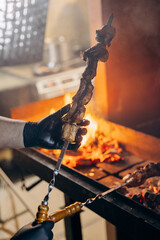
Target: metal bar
<point x="113" y="189"/>
<point x="8" y="182"/>
<point x="63" y="151"/>
<point x="100" y="195"/>
<point x="33" y="185"/>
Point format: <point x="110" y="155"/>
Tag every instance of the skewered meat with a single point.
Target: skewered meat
<point x="91" y="56"/>
<point x="139" y="176"/>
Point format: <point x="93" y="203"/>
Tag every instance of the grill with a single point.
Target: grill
<point x="126" y="214"/>
<point x="140" y="222"/>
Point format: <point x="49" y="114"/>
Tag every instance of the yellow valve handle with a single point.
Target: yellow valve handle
<point x="42" y="214"/>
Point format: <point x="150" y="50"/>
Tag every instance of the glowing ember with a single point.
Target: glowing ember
<point x="147" y="194"/>
<point x="143" y="195"/>
<point x="155" y="189"/>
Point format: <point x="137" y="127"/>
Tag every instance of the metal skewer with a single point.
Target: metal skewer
<point x="42" y="214"/>
<point x="100" y="195"/>
<point x="55" y="172"/>
<point x="68" y="128"/>
<point x="77" y="206"/>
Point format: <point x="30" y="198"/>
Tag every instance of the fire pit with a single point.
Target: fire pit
<point x="100" y="164"/>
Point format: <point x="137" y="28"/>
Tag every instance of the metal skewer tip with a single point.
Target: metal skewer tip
<point x="110" y="19"/>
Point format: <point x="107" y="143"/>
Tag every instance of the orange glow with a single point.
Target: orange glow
<point x="95" y="146"/>
<point x="91" y="174"/>
<point x="150" y="187"/>
<point x="101" y="92"/>
<point x="155" y="189"/>
<point x="143" y="195"/>
<point x="67" y="98"/>
<point x="91" y="130"/>
<point x="52" y="111"/>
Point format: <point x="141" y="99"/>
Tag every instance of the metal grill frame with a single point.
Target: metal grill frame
<point x="136" y="220"/>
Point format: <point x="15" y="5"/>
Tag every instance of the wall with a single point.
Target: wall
<point x="133" y="70"/>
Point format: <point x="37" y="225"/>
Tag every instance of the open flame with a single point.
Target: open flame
<point x="52" y="111"/>
<point x="67" y="98"/>
<point x="95" y="147"/>
<point x="154" y="189"/>
<point x="91" y="130"/>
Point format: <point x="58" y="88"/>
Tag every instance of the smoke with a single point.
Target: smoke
<point x="142" y="21"/>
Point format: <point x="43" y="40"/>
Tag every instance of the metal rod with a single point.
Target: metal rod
<point x="55" y="172"/>
<point x="16" y="191"/>
<point x="113" y="189"/>
<point x="100" y="195"/>
<point x="110" y="20"/>
<point x="61" y="156"/>
<point x="77" y="206"/>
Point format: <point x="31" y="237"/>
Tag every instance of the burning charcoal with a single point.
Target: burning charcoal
<point x="97" y="148"/>
<point x="74" y="153"/>
<point x="105" y="148"/>
<point x="95" y="142"/>
<point x="151" y="199"/>
<point x="138" y="198"/>
<point x="112" y="155"/>
<point x="83" y="162"/>
<point x="147" y="194"/>
<point x="112" y="151"/>
<point x="48" y="152"/>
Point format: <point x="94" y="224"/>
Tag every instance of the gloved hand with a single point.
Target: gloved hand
<point x="47" y="132"/>
<point x="41" y="231"/>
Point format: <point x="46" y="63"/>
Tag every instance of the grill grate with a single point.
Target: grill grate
<point x="22" y="28"/>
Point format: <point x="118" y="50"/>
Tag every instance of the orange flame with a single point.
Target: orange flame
<point x="95" y="146"/>
<point x="91" y="130"/>
<point x="155" y="189"/>
<point x="52" y="111"/>
<point x="67" y="98"/>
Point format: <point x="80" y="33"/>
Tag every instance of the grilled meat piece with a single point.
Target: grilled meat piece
<point x="138" y="177"/>
<point x="85" y="92"/>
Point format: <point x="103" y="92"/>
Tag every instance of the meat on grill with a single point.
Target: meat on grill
<point x="138" y="177"/>
<point x="91" y="56"/>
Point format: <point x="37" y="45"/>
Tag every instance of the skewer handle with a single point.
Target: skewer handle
<point x="42" y="214"/>
<point x="67" y="211"/>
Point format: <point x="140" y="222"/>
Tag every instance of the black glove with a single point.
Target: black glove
<point x="47" y="132"/>
<point x="41" y="231"/>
